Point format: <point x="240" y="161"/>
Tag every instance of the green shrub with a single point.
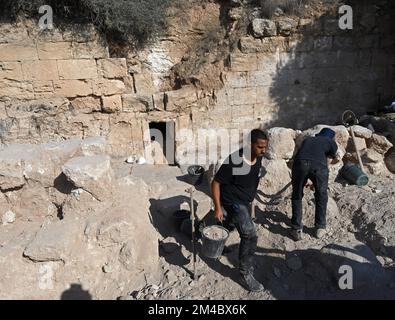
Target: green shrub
<point x="136" y="20"/>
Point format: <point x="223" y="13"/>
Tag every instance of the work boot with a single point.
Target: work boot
<point x="320" y="232"/>
<point x="296" y="234"/>
<point x="250" y="283"/>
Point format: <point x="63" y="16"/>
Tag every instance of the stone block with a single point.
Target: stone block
<point x="362" y="132"/>
<point x="90" y="50"/>
<point x="221" y="115"/>
<point x="108" y="87"/>
<point x="11" y="70"/>
<point x="239" y="111"/>
<point x="260" y="78"/>
<point x="77" y="69"/>
<point x="263" y="28"/>
<point x="86" y="104"/>
<point x="112" y="104"/>
<point x="13" y="33"/>
<point x="136" y="103"/>
<point x="137" y="137"/>
<point x="244" y="96"/>
<point x="54" y="50"/>
<point x="250" y="45"/>
<point x="253" y="45"/>
<point x="360" y="144"/>
<point x="236" y="79"/>
<point x="46" y="35"/>
<point x="43" y="86"/>
<point x="180" y="99"/>
<point x="276" y="177"/>
<point x="285" y="26"/>
<point x="44" y="95"/>
<point x="266" y="62"/>
<point x="144" y="84"/>
<point x="243" y="62"/>
<point x="158" y="100"/>
<point x="379" y="143"/>
<point x="263" y="95"/>
<point x="113" y="68"/>
<point x="92" y="174"/>
<point x="120" y="133"/>
<point x="16" y="89"/>
<point x="17" y="52"/>
<point x="40" y="70"/>
<point x="73" y="88"/>
<point x="304" y="44"/>
<point x="370" y="155"/>
<point x="55" y="241"/>
<point x="281" y="143"/>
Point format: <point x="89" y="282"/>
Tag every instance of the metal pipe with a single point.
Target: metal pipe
<point x="193" y="233"/>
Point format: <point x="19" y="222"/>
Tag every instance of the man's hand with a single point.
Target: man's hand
<point x="219" y="214"/>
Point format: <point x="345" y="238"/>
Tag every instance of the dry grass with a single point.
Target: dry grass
<point x="289" y="7"/>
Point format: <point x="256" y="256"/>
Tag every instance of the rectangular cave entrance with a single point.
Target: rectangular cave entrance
<point x="162" y="136"/>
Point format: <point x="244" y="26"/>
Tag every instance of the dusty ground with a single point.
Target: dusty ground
<point x="360" y="235"/>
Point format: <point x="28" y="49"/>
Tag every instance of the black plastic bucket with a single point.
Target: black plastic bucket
<point x="353" y="174"/>
<point x="213" y="240"/>
<point x="195" y="174"/>
<point x="179" y="216"/>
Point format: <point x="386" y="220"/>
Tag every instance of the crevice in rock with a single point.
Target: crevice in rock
<point x="62" y="184"/>
<point x="12" y="189"/>
<point x="59" y="214"/>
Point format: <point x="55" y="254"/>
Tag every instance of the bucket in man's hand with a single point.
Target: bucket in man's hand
<point x="213" y="240"/>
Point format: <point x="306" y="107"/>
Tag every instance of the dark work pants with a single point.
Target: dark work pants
<point x="239" y="216"/>
<point x="318" y="174"/>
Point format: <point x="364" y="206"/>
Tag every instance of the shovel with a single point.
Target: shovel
<point x="190" y="191"/>
<point x="349" y="120"/>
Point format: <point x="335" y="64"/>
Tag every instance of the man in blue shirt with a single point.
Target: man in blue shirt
<point x="311" y="162"/>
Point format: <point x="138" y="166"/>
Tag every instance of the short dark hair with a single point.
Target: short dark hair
<point x="257" y="134"/>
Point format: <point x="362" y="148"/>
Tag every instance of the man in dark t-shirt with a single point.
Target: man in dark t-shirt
<point x="234" y="188"/>
<point x="311" y="162"/>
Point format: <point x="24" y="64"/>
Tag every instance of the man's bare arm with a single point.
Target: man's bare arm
<point x="216" y="191"/>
